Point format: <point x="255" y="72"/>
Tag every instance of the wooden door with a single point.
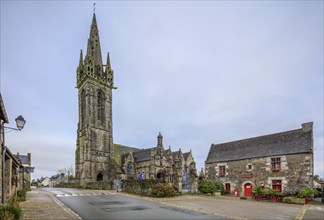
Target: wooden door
<point x="248" y="189"/>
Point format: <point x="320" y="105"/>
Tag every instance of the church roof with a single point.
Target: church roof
<point x="143" y="155"/>
<point x="283" y="143"/>
<point x="185" y="155"/>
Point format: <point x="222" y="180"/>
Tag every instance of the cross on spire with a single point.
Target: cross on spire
<point x="94" y="7"/>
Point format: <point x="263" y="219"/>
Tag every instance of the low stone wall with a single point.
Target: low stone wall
<point x="100" y="185"/>
<point x="134" y="186"/>
<point x="293" y="200"/>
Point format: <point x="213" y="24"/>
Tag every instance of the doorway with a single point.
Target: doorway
<point x="248" y="189"/>
<point x="99" y="177"/>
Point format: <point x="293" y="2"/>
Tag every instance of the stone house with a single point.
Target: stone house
<point x="159" y="163"/>
<point x="282" y="161"/>
<point x="26" y="169"/>
<point x="3" y="120"/>
<point x="58" y="179"/>
<point x="12" y="175"/>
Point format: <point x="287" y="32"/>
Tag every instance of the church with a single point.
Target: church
<point x="97" y="158"/>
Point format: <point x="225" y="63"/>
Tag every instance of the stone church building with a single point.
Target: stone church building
<point x="97" y="157"/>
<point x="282" y="161"/>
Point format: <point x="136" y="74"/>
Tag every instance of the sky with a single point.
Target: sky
<point x="199" y="72"/>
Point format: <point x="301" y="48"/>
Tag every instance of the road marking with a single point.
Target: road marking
<point x="84" y="194"/>
<point x="301" y="213"/>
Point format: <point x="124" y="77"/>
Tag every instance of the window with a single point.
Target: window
<point x="129" y="171"/>
<point x="221" y="170"/>
<point x="276" y="185"/>
<point x="100" y="108"/>
<point x="83" y="108"/>
<point x="275" y="163"/>
<point x="249" y="167"/>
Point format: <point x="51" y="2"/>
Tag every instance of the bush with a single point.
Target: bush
<point x="307" y="192"/>
<point x="8" y="211"/>
<point x="143" y="187"/>
<point x="21" y="195"/>
<point x="207" y="186"/>
<point x="163" y="190"/>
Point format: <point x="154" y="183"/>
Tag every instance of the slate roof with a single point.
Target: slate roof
<point x="143" y="155"/>
<point x="185" y="155"/>
<point x="24" y="159"/>
<point x="283" y="143"/>
<point x="3" y="113"/>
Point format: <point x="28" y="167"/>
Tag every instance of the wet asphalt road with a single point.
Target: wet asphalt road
<point x="108" y="205"/>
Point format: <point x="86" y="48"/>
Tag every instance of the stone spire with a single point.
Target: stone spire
<point x="81" y="60"/>
<point x="109" y="72"/>
<point x="94" y="50"/>
<point x="160" y="140"/>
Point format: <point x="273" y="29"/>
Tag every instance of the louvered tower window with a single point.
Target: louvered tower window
<point x="100" y="108"/>
<point x="83" y="108"/>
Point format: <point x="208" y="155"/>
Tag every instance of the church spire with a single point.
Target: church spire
<point x="108" y="66"/>
<point x="94" y="50"/>
<point x="81" y="60"/>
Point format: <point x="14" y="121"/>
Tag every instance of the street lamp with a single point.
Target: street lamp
<point x="20" y="123"/>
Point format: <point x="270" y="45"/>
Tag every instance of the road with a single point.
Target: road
<point x="96" y="204"/>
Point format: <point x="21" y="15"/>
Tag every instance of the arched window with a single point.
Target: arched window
<point x="99" y="177"/>
<point x="83" y="108"/>
<point x="100" y="108"/>
<point x="129" y="171"/>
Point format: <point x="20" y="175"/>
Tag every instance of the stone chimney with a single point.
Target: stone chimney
<point x="306" y="127"/>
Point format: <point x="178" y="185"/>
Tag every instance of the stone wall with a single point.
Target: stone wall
<point x="295" y="173"/>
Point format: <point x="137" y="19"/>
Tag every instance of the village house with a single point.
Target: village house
<point x="282" y="161"/>
<point x="12" y="173"/>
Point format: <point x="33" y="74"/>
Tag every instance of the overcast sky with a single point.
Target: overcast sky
<point x="199" y="72"/>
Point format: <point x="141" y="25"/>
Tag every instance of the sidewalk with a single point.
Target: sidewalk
<point x="43" y="205"/>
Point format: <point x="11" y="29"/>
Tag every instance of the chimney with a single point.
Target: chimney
<point x="306" y="127"/>
<point x="29" y="157"/>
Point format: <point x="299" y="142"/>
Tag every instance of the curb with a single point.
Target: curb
<point x="63" y="206"/>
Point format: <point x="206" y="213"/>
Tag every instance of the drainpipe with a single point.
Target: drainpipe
<point x="4" y="149"/>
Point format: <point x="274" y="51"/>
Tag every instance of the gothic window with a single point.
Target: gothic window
<point x="83" y="107"/>
<point x="221" y="171"/>
<point x="129" y="171"/>
<point x="275" y="164"/>
<point x="100" y="108"/>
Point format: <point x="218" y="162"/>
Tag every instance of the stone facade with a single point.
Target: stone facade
<point x="158" y="163"/>
<point x="3" y="120"/>
<point x="96" y="157"/>
<point x="94" y="148"/>
<point x="281" y="161"/>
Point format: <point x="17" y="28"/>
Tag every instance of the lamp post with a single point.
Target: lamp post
<point x="20" y="123"/>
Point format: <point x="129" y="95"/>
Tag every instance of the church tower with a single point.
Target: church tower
<point x="95" y="81"/>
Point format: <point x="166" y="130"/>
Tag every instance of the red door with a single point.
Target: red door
<point x="227" y="187"/>
<point x="248" y="189"/>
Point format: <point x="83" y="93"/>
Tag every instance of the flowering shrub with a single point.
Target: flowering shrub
<point x="163" y="190"/>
